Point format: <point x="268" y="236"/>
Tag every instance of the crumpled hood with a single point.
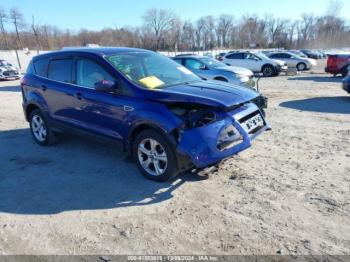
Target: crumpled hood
<point x="209" y="93"/>
<point x="237" y="70"/>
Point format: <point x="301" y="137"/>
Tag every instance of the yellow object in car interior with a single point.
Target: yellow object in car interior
<point x="151" y="82"/>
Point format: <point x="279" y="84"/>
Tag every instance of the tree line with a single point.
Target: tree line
<point x="164" y="30"/>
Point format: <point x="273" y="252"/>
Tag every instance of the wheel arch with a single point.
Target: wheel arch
<point x="30" y="108"/>
<point x="170" y="134"/>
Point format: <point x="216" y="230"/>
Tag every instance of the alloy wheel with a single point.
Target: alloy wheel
<point x="152" y="157"/>
<point x="39" y="128"/>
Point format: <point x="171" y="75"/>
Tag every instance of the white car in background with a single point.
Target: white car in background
<point x="293" y="60"/>
<point x="256" y="62"/>
<point x="8" y="71"/>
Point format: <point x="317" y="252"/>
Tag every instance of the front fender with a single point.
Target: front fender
<point x="165" y="122"/>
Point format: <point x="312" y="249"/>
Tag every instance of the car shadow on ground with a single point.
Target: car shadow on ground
<point x="337" y="105"/>
<point x="75" y="174"/>
<point x="324" y="79"/>
<point x="10" y="88"/>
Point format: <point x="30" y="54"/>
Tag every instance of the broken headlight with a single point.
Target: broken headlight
<point x="228" y="137"/>
<point x="194" y="118"/>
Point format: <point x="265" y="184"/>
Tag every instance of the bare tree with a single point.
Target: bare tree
<point x="224" y="25"/>
<point x="3" y="20"/>
<point x="36" y="34"/>
<point x="159" y="21"/>
<point x="18" y="22"/>
<point x="334" y="7"/>
<point x="306" y="28"/>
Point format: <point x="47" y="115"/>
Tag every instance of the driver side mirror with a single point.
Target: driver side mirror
<point x="106" y="86"/>
<point x="203" y="67"/>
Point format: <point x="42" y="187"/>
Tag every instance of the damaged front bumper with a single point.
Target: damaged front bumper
<point x="201" y="144"/>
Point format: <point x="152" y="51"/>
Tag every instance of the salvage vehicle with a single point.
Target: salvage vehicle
<point x="293" y="60"/>
<point x="311" y="53"/>
<point x="338" y="64"/>
<point x="256" y="62"/>
<point x="8" y="71"/>
<point x="166" y="117"/>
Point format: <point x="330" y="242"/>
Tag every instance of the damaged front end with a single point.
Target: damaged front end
<point x="209" y="135"/>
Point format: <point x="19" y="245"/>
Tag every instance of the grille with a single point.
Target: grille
<point x="10" y="73"/>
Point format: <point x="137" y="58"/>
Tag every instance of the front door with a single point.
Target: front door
<point x="102" y="112"/>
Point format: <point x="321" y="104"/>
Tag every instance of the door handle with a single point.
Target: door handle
<point x="78" y="95"/>
<point x="43" y="87"/>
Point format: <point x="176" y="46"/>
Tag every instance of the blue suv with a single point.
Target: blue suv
<point x="166" y="117"/>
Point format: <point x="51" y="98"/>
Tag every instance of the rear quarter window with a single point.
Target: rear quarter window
<point x="40" y="67"/>
<point x="60" y="70"/>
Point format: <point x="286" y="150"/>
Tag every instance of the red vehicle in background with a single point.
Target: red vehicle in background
<point x="338" y="64"/>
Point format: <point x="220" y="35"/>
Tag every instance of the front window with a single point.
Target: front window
<point x="193" y="64"/>
<point x="151" y="70"/>
<point x="4" y="63"/>
<point x="261" y="55"/>
<point x="90" y="73"/>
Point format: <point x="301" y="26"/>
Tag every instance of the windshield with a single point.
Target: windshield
<point x="212" y="62"/>
<point x="151" y="70"/>
<point x="4" y="63"/>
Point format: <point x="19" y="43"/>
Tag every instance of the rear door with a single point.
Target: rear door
<point x="59" y="92"/>
<point x="235" y="59"/>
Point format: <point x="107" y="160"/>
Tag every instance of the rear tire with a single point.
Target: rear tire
<point x="40" y="129"/>
<point x="268" y="70"/>
<point x="154" y="156"/>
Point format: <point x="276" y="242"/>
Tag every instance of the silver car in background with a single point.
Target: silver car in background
<point x="211" y="69"/>
<point x="294" y="60"/>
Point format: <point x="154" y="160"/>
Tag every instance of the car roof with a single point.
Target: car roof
<point x="100" y="51"/>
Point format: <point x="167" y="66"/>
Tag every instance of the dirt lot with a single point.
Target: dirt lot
<point x="288" y="194"/>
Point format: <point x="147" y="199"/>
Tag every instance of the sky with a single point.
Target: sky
<point x="98" y="14"/>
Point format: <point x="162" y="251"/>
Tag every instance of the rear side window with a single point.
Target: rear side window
<point x="40" y="67"/>
<point x="235" y="56"/>
<point x="60" y="70"/>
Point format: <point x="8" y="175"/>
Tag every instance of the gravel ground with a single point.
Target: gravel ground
<point x="288" y="194"/>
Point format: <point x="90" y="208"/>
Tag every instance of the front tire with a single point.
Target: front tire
<point x="40" y="128"/>
<point x="268" y="70"/>
<point x="301" y="67"/>
<point x="154" y="156"/>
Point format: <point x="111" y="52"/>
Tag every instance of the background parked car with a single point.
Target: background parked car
<point x="293" y="60"/>
<point x="311" y="53"/>
<point x="220" y="56"/>
<point x="298" y="52"/>
<point x="338" y="64"/>
<point x="209" y="68"/>
<point x="8" y="71"/>
<point x="256" y="62"/>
